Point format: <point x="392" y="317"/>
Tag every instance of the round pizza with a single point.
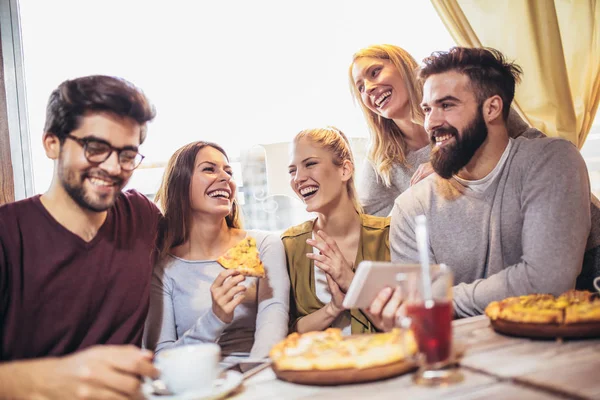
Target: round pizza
<point x="572" y="307"/>
<point x="330" y="350"/>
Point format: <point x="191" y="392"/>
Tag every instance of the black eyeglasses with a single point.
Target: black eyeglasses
<point x="97" y="151"/>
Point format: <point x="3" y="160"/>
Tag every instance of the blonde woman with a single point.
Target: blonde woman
<point x="192" y="298"/>
<point x="322" y="254"/>
<point x="383" y="81"/>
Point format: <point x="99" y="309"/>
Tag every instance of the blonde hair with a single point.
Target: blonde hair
<point x="338" y="145"/>
<point x="387" y="140"/>
<point x="174" y="198"/>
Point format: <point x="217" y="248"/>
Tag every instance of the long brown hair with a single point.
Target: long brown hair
<point x="338" y="145"/>
<point x="173" y="197"/>
<point x="388" y="146"/>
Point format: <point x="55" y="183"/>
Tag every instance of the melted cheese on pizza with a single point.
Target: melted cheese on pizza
<point x="329" y="350"/>
<point x="569" y="308"/>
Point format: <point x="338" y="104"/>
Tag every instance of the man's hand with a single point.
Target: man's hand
<point x="386" y="309"/>
<point x="100" y="372"/>
<point x="331" y="260"/>
<point x="421" y="173"/>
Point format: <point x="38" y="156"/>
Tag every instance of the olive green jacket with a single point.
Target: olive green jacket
<point x="374" y="245"/>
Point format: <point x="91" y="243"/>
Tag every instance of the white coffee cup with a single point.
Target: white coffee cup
<point x="597" y="283"/>
<point x="189" y="368"/>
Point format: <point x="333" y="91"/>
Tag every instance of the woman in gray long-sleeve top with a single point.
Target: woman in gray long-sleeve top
<point x="384" y="83"/>
<point x="193" y="299"/>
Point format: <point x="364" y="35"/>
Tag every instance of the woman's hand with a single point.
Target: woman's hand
<point x="386" y="309"/>
<point x="421" y="173"/>
<point x="331" y="260"/>
<point x="337" y="297"/>
<point x="227" y="294"/>
<point x="322" y="318"/>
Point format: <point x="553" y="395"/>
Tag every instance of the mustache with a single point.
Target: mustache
<point x="102" y="175"/>
<point x="444" y="130"/>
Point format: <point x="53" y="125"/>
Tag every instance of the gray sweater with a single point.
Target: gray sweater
<point x="181" y="304"/>
<point x="378" y="199"/>
<point x="526" y="233"/>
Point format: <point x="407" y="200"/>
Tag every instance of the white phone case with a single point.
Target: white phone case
<point x="370" y="278"/>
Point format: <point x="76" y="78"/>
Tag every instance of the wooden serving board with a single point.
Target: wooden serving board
<point x="345" y="376"/>
<point x="547" y="331"/>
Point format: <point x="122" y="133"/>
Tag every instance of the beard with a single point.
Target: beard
<point x="451" y="158"/>
<point x="73" y="184"/>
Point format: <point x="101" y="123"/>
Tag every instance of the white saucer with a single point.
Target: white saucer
<point x="222" y="387"/>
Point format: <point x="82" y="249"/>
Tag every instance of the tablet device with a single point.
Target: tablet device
<point x="370" y="278"/>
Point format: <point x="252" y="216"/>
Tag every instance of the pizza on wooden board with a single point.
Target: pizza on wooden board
<point x="570" y="308"/>
<point x="330" y="350"/>
<point x="244" y="257"/>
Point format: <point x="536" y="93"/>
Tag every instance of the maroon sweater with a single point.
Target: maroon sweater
<point x="59" y="294"/>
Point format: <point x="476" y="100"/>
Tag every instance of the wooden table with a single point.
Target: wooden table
<point x="494" y="367"/>
<point x="570" y="368"/>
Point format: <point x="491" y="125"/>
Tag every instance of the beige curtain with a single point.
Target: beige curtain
<point x="556" y="42"/>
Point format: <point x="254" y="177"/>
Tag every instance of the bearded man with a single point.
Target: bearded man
<point x="509" y="216"/>
<point x="76" y="261"/>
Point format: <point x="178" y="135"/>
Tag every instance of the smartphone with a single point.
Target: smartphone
<point x="372" y="277"/>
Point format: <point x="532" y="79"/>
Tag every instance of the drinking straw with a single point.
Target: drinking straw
<point x="422" y="246"/>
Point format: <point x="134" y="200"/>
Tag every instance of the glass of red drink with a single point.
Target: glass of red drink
<point x="428" y="312"/>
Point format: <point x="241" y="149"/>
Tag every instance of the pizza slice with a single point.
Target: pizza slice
<point x="574" y="313"/>
<point x="533" y="308"/>
<point x="583" y="312"/>
<point x="372" y="350"/>
<point x="244" y="257"/>
<point x="304" y="352"/>
<point x="577" y="296"/>
<point x="583" y="307"/>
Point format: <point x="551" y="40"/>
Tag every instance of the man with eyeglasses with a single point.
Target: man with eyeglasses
<point x="76" y="262"/>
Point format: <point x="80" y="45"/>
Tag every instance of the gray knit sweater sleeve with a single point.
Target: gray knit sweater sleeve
<point x="403" y="243"/>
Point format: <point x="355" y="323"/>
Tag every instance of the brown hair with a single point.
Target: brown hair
<point x="74" y="98"/>
<point x="387" y="140"/>
<point x="338" y="145"/>
<point x="488" y="70"/>
<point x="173" y="197"/>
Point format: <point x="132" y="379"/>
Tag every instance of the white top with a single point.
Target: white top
<point x="481" y="185"/>
<point x="343" y="321"/>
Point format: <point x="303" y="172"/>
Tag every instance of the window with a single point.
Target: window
<point x="591" y="154"/>
<point x="241" y="73"/>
